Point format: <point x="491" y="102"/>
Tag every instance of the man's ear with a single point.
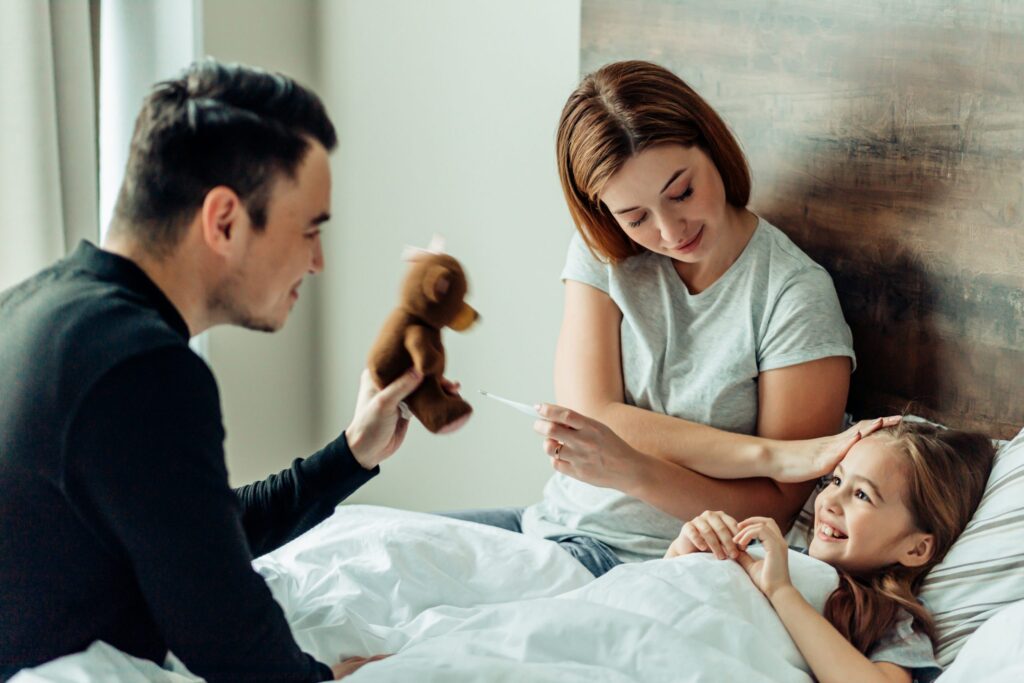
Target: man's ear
<point x="220" y="219"/>
<point x="920" y="548"/>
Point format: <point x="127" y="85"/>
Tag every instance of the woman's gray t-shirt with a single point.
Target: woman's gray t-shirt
<point x="696" y="357"/>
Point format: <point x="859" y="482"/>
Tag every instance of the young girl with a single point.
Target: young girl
<point x="688" y="319"/>
<point x="888" y="514"/>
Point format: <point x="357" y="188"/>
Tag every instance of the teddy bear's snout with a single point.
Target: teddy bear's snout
<point x="464" y="319"/>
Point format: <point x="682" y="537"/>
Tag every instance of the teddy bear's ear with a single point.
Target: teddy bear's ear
<point x="436" y="283"/>
<point x="436" y="244"/>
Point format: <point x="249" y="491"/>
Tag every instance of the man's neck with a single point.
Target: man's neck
<point x="178" y="277"/>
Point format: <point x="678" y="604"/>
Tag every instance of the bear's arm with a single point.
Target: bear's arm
<point x="424" y="345"/>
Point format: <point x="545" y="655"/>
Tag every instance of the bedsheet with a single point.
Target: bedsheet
<point x="462" y="602"/>
<point x="488" y="610"/>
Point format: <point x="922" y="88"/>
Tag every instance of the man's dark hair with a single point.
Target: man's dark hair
<point x="218" y="124"/>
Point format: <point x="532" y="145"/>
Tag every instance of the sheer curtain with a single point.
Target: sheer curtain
<point x="62" y="155"/>
<point x="48" y="178"/>
<point x="142" y="42"/>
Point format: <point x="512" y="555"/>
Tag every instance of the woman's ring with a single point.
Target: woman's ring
<point x="558" y="447"/>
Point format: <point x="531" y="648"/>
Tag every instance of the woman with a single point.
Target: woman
<point x="689" y="322"/>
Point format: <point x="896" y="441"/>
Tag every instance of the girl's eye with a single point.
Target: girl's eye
<point x="860" y="493"/>
<point x="684" y="196"/>
<point x="835" y="481"/>
<point x="637" y="222"/>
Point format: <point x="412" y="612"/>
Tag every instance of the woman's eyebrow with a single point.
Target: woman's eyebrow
<point x="670" y="181"/>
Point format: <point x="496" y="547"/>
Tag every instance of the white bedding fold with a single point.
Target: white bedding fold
<point x="460" y="601"/>
<point x="463" y="602"/>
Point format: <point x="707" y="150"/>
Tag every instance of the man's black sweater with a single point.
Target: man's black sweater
<point x="117" y="522"/>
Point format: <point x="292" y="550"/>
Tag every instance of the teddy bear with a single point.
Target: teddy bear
<point x="431" y="298"/>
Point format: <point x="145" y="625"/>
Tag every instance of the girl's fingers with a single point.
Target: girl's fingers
<point x="720" y="529"/>
<point x="733" y="525"/>
<point x="710" y="537"/>
<point x="752" y="520"/>
<point x="745" y="560"/>
<point x="744" y="538"/>
<point x="695" y="538"/>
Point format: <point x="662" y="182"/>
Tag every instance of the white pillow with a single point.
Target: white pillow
<point x="994" y="653"/>
<point x="984" y="570"/>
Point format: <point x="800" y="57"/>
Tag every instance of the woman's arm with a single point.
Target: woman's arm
<point x="796" y="403"/>
<point x="831" y="657"/>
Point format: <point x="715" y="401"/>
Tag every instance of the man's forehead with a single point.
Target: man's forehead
<point x="309" y="187"/>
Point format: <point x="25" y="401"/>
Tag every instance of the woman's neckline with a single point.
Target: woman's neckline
<point x="726" y="274"/>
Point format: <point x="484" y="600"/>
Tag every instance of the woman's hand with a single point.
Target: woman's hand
<point x="586" y="449"/>
<point x="711" y="531"/>
<point x="796" y="461"/>
<point x="771" y="572"/>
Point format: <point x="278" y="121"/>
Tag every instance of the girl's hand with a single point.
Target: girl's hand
<point x="796" y="461"/>
<point x="586" y="449"/>
<point x="710" y="531"/>
<point x="681" y="546"/>
<point x="771" y="572"/>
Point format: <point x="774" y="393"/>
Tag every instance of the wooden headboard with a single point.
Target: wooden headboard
<point x="887" y="139"/>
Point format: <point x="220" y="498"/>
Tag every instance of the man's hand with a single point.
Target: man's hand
<point x="378" y="427"/>
<point x="353" y="664"/>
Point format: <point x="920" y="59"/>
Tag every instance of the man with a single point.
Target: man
<point x="116" y="519"/>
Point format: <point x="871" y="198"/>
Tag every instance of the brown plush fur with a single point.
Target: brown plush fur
<point x="431" y="299"/>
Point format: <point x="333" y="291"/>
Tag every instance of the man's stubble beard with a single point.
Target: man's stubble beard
<point x="226" y="303"/>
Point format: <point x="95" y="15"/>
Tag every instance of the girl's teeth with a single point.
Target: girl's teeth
<point x="829" y="531"/>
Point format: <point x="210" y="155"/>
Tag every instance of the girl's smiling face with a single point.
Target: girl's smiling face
<point x="861" y="522"/>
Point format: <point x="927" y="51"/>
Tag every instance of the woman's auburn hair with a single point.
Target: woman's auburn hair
<point x="866" y="607"/>
<point x="619" y="111"/>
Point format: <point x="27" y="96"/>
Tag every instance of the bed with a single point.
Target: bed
<point x="463" y="602"/>
<point x="888" y="140"/>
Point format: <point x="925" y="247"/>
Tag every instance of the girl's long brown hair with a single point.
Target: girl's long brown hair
<point x="864" y="608"/>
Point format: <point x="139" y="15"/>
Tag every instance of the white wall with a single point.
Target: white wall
<point x="266" y="381"/>
<point x="447" y="112"/>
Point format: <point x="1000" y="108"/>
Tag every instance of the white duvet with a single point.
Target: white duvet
<point x="461" y="602"/>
